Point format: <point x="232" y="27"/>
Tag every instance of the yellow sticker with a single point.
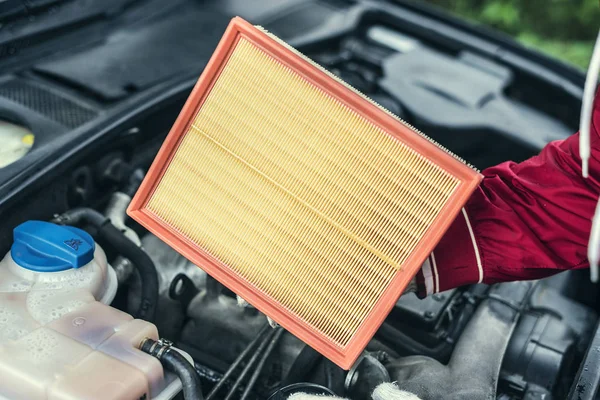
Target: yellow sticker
<point x="28" y="139"/>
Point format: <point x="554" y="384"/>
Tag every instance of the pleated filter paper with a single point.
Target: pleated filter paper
<point x="300" y="194"/>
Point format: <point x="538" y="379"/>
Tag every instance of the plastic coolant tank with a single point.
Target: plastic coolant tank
<point x="59" y="338"/>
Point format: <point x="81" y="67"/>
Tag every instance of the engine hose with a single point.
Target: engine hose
<point x="334" y="377"/>
<point x="135" y="180"/>
<point x="125" y="247"/>
<point x="173" y="361"/>
<point x="208" y="374"/>
<point x="304" y="364"/>
<point x="80" y="216"/>
<point x="142" y="262"/>
<point x="261" y="364"/>
<point x="250" y="365"/>
<point x="260" y="338"/>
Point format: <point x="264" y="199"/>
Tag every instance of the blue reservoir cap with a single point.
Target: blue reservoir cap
<point x="46" y="247"/>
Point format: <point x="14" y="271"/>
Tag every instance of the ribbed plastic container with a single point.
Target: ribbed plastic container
<point x="60" y="339"/>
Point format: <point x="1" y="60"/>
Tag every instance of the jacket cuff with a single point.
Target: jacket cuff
<point x="456" y="260"/>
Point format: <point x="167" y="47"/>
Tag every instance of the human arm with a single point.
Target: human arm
<point x="526" y="220"/>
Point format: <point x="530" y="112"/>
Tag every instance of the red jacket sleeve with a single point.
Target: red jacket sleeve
<point x="525" y="221"/>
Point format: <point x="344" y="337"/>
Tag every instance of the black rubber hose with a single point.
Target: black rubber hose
<point x="173" y="361"/>
<point x="135" y="180"/>
<point x="303" y="365"/>
<point x="79" y="216"/>
<point x="334" y="377"/>
<point x="142" y="262"/>
<point x="260" y="338"/>
<point x="208" y="374"/>
<point x="261" y="364"/>
<point x="249" y="366"/>
<point x="125" y="247"/>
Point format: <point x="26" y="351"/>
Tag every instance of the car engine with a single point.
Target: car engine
<point x="100" y="107"/>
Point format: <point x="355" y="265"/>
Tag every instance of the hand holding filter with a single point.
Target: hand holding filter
<point x="385" y="391"/>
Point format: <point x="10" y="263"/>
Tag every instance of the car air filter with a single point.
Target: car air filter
<point x="298" y="193"/>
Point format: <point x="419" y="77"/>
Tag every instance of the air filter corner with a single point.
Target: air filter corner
<point x="298" y="193"/>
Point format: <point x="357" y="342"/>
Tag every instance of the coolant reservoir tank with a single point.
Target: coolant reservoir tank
<point x="59" y="338"/>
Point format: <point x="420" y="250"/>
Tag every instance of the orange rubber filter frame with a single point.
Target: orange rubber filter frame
<point x="298" y="193"/>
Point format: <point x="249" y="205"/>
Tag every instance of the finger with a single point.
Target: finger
<point x="389" y="391"/>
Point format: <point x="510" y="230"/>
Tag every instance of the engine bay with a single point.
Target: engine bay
<point x="100" y="108"/>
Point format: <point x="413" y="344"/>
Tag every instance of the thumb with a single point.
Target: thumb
<point x="389" y="391"/>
